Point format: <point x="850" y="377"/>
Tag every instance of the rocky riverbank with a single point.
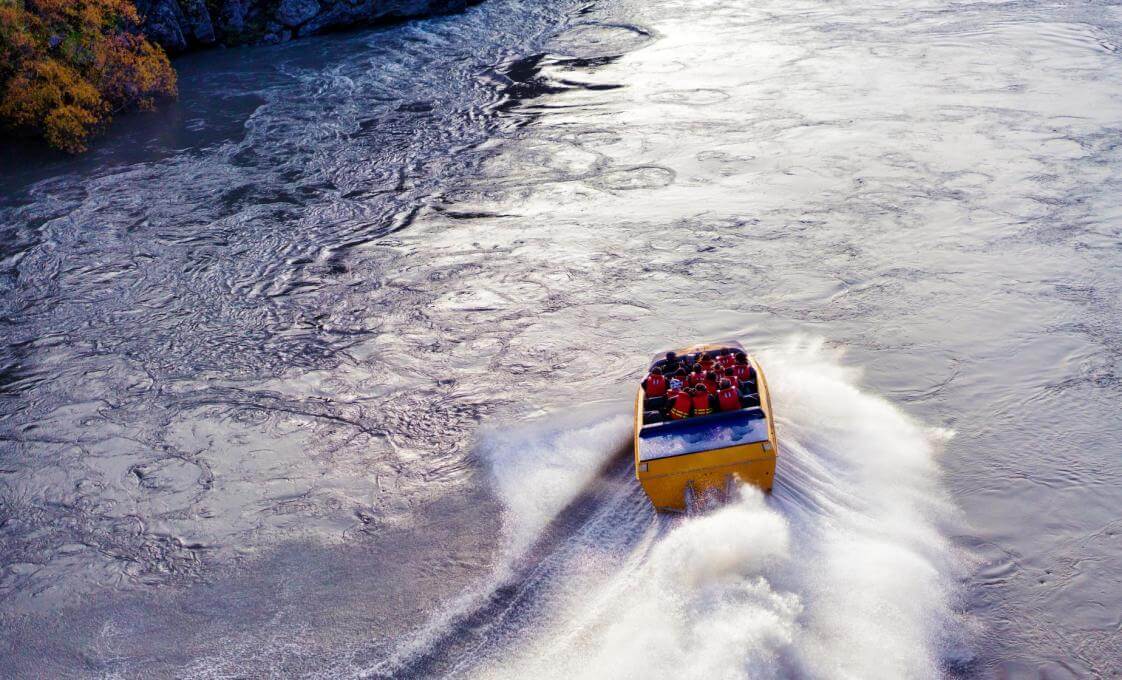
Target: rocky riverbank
<point x="182" y="25"/>
<point x="67" y="69"/>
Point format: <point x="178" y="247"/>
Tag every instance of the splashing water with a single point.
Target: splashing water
<point x="860" y="486"/>
<point x="536" y="470"/>
<point x="845" y="571"/>
<point x="539" y="469"/>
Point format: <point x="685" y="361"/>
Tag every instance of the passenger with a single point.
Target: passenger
<point x="655" y="384"/>
<point x="727" y="397"/>
<point x="730" y="375"/>
<point x="743" y="369"/>
<point x="674" y="389"/>
<point x="697" y="376"/>
<point x="701" y="405"/>
<point x="681" y="402"/>
<point x="671" y="364"/>
<point x="707" y="362"/>
<point x="711" y="383"/>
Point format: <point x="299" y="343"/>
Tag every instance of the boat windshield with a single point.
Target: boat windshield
<point x="718" y="431"/>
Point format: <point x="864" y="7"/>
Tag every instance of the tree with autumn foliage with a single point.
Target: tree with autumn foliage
<point x="68" y="66"/>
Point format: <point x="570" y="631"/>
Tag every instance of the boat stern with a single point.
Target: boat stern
<point x="670" y="482"/>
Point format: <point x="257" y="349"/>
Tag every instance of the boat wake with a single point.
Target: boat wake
<point x="844" y="571"/>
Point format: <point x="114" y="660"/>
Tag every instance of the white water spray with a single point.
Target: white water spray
<point x="844" y="572"/>
<point x="539" y="468"/>
<point x="536" y="470"/>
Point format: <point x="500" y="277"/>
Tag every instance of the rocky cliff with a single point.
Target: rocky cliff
<point x="181" y="25"/>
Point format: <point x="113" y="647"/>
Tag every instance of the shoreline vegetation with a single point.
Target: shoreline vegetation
<point x="68" y="67"/>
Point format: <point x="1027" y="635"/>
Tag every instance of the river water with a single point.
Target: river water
<point x="324" y="370"/>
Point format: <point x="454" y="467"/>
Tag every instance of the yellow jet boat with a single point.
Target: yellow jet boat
<point x="679" y="462"/>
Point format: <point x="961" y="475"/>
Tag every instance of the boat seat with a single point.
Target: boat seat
<point x="750" y="400"/>
<point x="654" y="404"/>
<point x="651" y="417"/>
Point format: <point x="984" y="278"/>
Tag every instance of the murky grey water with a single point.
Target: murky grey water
<point x="288" y="369"/>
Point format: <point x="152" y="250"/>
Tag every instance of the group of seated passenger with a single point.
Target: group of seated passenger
<point x="700" y="384"/>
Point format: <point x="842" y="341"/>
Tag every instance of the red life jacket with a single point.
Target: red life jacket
<point x="680" y="407"/>
<point x="726" y="360"/>
<point x="728" y="399"/>
<point x="712" y="386"/>
<point x="655" y="385"/>
<point x="695" y="378"/>
<point x="701" y="404"/>
<point x="707" y="365"/>
<point x="734" y="380"/>
<point x="742" y="371"/>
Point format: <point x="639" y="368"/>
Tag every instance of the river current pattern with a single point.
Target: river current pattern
<point x="326" y="369"/>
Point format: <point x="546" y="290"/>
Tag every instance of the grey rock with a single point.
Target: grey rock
<point x="296" y="12"/>
<point x="339" y="15"/>
<point x="198" y="21"/>
<point x="180" y="25"/>
<point x="162" y="21"/>
<point x="232" y="18"/>
<point x="275" y="33"/>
